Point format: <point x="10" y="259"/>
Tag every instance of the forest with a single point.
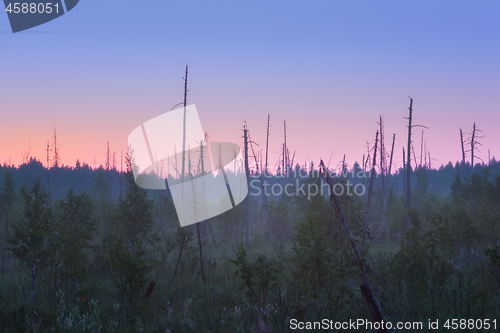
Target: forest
<point x="84" y="249"/>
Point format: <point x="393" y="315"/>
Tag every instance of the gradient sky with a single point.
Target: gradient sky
<point x="330" y="68"/>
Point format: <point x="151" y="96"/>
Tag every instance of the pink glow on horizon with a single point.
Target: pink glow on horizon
<point x="317" y="137"/>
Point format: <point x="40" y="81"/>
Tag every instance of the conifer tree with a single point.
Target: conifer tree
<point x="30" y="243"/>
<point x="130" y="255"/>
<point x="73" y="231"/>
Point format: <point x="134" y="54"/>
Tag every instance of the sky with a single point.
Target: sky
<point x="330" y="68"/>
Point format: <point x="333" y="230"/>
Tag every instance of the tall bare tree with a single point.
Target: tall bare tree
<point x="408" y="163"/>
<point x="462" y="142"/>
<point x="247" y="201"/>
<point x="474" y="135"/>
<point x="267" y="141"/>
<point x="370" y="185"/>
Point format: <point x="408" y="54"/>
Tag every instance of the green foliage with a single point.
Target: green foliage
<point x="78" y="320"/>
<point x="132" y="270"/>
<point x="422" y="262"/>
<point x="258" y="277"/>
<point x="70" y="240"/>
<point x="231" y="222"/>
<point x="134" y="214"/>
<point x="31" y="241"/>
<point x="322" y="262"/>
<point x="313" y="251"/>
<point x="131" y="254"/>
<point x="281" y="222"/>
<point x="448" y="266"/>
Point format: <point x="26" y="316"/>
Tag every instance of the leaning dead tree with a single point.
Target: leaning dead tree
<point x="366" y="288"/>
<point x="462" y="142"/>
<point x="408" y="163"/>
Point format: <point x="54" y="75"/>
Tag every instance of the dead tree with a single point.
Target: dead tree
<point x="267" y="141"/>
<point x="286" y="155"/>
<point x="408" y="163"/>
<point x="462" y="142"/>
<point x="475" y="134"/>
<point x="392" y="153"/>
<point x="366" y="287"/>
<point x="256" y="159"/>
<point x="386" y="187"/>
<point x="184" y="125"/>
<point x="382" y="171"/>
<point x="408" y="167"/>
<point x="247" y="200"/>
<point x="404" y="171"/>
<point x="421" y="148"/>
<point x="370" y="186"/>
<point x="382" y="151"/>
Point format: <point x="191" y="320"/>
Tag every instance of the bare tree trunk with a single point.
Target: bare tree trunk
<point x="247" y="200"/>
<point x="404" y="172"/>
<point x="386" y="188"/>
<point x="462" y="142"/>
<point x="472" y="145"/>
<point x="421" y="148"/>
<point x="370" y="186"/>
<point x="267" y="141"/>
<point x="183" y="166"/>
<point x="408" y="167"/>
<point x="366" y="287"/>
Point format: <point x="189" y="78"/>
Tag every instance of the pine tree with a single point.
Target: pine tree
<point x="134" y="211"/>
<point x="30" y="243"/>
<point x="129" y="257"/>
<point x="74" y="229"/>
